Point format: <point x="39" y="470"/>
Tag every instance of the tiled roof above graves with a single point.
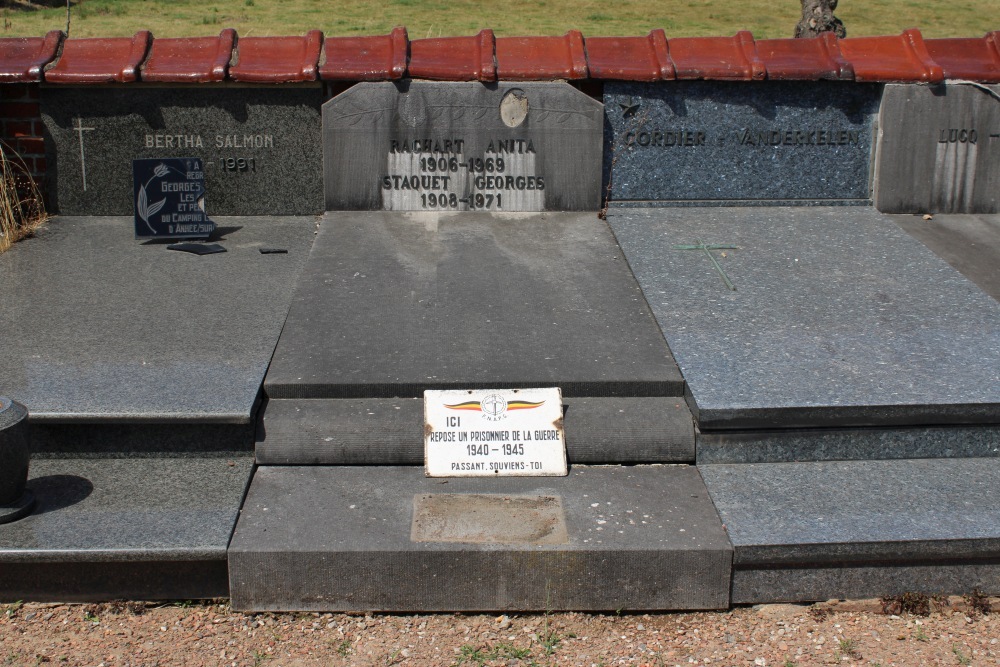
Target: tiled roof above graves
<point x="906" y="57"/>
<point x="190" y="60"/>
<point x="454" y="58"/>
<point x="278" y="59"/>
<point x="810" y="59"/>
<point x="100" y="60"/>
<point x="631" y="58"/>
<point x="22" y="58"/>
<point x="541" y="58"/>
<point x="902" y="58"/>
<point x="374" y="58"/>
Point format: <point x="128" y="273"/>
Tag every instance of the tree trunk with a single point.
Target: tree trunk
<point x="817" y="18"/>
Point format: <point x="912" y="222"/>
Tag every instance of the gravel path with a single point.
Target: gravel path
<point x="844" y="633"/>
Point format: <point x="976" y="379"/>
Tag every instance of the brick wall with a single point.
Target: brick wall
<point x="21" y="126"/>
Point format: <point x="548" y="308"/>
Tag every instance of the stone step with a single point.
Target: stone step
<point x="391" y="304"/>
<point x="390" y="539"/>
<point x="124" y="528"/>
<point x="847" y="444"/>
<point x="859" y="529"/>
<point x="390" y="431"/>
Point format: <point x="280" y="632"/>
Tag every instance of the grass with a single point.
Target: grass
<point x="434" y="18"/>
<point x="21" y="208"/>
<point x="471" y="655"/>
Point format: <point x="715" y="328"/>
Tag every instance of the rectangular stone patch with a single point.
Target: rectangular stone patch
<point x="449" y="146"/>
<point x="488" y="518"/>
<point x="718" y="141"/>
<point x="260" y="146"/>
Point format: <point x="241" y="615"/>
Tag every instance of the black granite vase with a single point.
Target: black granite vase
<point x="15" y="500"/>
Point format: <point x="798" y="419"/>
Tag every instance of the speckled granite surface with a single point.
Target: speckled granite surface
<point x="100" y="510"/>
<point x="100" y="327"/>
<point x="838" y="318"/>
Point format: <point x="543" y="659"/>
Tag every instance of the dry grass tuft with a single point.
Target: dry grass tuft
<point x="21" y="207"/>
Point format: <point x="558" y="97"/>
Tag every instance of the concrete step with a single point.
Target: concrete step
<point x="390" y="431"/>
<point x="859" y="529"/>
<point x="124" y="528"/>
<point x="390" y="539"/>
<point x="391" y="304"/>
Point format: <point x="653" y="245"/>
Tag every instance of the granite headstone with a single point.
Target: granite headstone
<point x="939" y="150"/>
<point x="260" y="146"/>
<point x="462" y="146"/>
<point x="701" y="142"/>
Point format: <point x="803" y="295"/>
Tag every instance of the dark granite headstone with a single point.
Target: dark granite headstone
<point x="940" y="149"/>
<point x="260" y="146"/>
<point x="462" y="146"/>
<point x="170" y="198"/>
<point x="710" y="141"/>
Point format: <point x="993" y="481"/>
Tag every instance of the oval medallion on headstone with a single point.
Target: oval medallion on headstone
<point x="514" y="107"/>
<point x="412" y="110"/>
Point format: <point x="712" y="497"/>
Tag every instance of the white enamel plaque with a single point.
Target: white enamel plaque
<point x="494" y="432"/>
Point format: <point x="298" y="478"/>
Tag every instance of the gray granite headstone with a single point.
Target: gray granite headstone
<point x="939" y="150"/>
<point x="260" y="146"/>
<point x="710" y="141"/>
<point x="451" y="146"/>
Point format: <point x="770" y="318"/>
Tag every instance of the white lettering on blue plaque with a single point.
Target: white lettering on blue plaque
<point x="169" y="196"/>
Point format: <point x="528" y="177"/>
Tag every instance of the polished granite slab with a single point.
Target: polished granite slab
<point x="970" y="243"/>
<point x="832" y="317"/>
<point x="107" y="528"/>
<point x="100" y="327"/>
<point x="835" y="529"/>
<point x="392" y="303"/>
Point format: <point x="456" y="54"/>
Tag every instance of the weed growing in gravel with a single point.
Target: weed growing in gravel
<point x="481" y="656"/>
<point x="918" y="604"/>
<point x="788" y="663"/>
<point x="961" y="657"/>
<point x="10" y="610"/>
<point x="259" y="658"/>
<point x="344" y="648"/>
<point x="979" y="604"/>
<point x="920" y="635"/>
<point x="849" y="648"/>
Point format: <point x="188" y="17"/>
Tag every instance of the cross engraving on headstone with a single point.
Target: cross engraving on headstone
<point x="707" y="248"/>
<point x="80" y="129"/>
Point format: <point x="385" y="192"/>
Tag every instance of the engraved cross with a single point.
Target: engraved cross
<point x="707" y="248"/>
<point x="80" y="129"/>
